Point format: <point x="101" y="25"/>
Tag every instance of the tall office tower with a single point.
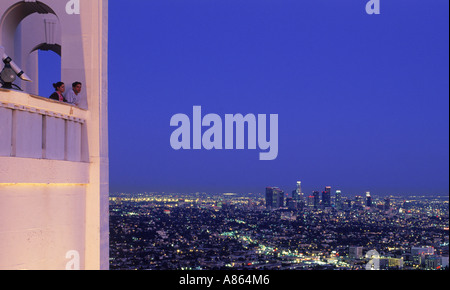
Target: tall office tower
<point x="338" y="200"/>
<point x="387" y="203"/>
<point x="274" y="197"/>
<point x="359" y="202"/>
<point x="326" y="197"/>
<point x="298" y="194"/>
<point x="368" y="199"/>
<point x="281" y="198"/>
<point x="269" y="197"/>
<point x="316" y="199"/>
<point x="54" y="180"/>
<point x="310" y="201"/>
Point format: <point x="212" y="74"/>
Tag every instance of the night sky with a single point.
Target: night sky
<point x="363" y="100"/>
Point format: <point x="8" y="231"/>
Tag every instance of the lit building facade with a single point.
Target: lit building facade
<point x="338" y="199"/>
<point x="316" y="197"/>
<point x="54" y="180"/>
<point x="274" y="197"/>
<point x="368" y="199"/>
<point x="326" y="197"/>
<point x="298" y="194"/>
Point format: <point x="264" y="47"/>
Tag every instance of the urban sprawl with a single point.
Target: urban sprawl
<point x="276" y="231"/>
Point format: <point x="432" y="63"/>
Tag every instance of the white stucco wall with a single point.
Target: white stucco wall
<point x="27" y="131"/>
<point x="5" y="131"/>
<point x="49" y="203"/>
<point x="40" y="224"/>
<point x="54" y="138"/>
<point x="40" y="131"/>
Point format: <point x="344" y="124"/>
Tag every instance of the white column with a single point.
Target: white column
<point x="5" y="131"/>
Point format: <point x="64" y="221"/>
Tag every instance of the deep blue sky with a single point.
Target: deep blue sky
<point x="362" y="99"/>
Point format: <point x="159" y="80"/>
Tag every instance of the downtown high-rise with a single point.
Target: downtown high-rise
<point x="274" y="197"/>
<point x="326" y="197"/>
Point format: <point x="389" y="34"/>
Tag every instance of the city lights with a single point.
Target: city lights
<point x="202" y="231"/>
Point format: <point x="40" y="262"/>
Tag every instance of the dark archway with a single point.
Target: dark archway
<point x="16" y="13"/>
<point x="24" y="49"/>
<point x="56" y="48"/>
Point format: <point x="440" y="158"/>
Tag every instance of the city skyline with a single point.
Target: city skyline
<point x="225" y="135"/>
<point x="294" y="189"/>
<point x="200" y="232"/>
<point x="362" y="99"/>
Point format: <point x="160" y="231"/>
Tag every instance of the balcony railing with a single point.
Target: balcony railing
<point x="40" y="128"/>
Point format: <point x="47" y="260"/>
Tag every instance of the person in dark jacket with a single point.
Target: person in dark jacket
<point x="60" y="88"/>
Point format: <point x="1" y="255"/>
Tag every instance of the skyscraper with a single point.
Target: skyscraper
<point x="326" y="197"/>
<point x="310" y="201"/>
<point x="298" y="194"/>
<point x="316" y="196"/>
<point x="298" y="197"/>
<point x="274" y="197"/>
<point x="359" y="202"/>
<point x="368" y="199"/>
<point x="338" y="200"/>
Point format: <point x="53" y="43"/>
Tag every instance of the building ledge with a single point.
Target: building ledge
<point x="14" y="170"/>
<point x="45" y="106"/>
<point x="41" y="128"/>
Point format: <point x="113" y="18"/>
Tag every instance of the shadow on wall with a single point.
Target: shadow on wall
<point x="31" y="33"/>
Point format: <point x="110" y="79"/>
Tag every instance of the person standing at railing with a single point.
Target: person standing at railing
<point x="60" y="88"/>
<point x="72" y="95"/>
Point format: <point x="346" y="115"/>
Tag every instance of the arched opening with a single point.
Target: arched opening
<point x="49" y="71"/>
<point x="16" y="13"/>
<point x="36" y="51"/>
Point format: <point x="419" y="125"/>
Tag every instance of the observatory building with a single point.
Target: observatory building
<point x="54" y="179"/>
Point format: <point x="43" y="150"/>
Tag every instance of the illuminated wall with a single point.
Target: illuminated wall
<point x="54" y="179"/>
